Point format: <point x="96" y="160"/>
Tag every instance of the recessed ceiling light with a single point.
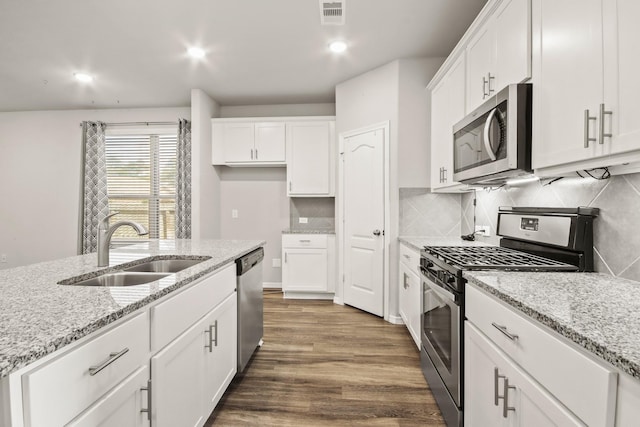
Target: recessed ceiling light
<point x="83" y="77"/>
<point x="196" y="52"/>
<point x="338" y="46"/>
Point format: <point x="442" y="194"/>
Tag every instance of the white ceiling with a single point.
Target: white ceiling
<point x="258" y="51"/>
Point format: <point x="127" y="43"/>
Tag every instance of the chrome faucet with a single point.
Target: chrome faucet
<point x="105" y="233"/>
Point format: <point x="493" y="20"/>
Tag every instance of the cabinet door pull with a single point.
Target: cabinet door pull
<point x="484" y="86"/>
<point x="406" y="256"/>
<point x="503" y="329"/>
<point x="210" y="332"/>
<point x="285" y="257"/>
<point x="505" y="403"/>
<point x="148" y="409"/>
<point x="252" y="154"/>
<point x="112" y="358"/>
<point x="496" y="393"/>
<point x="289" y="186"/>
<point x="603" y="113"/>
<point x="256" y="154"/>
<point x="215" y="328"/>
<point x="587" y="121"/>
<point x="490" y="91"/>
<point x="444" y="175"/>
<point x="305" y="241"/>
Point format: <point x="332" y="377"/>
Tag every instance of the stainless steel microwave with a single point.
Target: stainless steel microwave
<point x="493" y="143"/>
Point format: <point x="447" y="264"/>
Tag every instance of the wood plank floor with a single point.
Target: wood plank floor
<point x="324" y="364"/>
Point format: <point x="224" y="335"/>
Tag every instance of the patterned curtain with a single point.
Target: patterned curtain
<point x="96" y="201"/>
<point x="183" y="181"/>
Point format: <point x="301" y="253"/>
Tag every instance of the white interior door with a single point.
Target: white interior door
<point x="364" y="221"/>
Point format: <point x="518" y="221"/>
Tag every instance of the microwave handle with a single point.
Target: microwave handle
<point x="487" y="142"/>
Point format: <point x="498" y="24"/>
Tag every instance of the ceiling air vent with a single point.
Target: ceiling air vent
<point x="332" y="12"/>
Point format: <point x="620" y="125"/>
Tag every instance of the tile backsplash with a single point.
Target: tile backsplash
<point x="427" y="214"/>
<point x="319" y="211"/>
<point x="616" y="237"/>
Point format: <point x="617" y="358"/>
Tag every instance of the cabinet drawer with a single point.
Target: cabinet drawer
<point x="304" y="241"/>
<point x="58" y="391"/>
<point x="585" y="386"/>
<point x="172" y="317"/>
<point x="410" y="257"/>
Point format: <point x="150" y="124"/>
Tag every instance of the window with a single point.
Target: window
<point x="141" y="180"/>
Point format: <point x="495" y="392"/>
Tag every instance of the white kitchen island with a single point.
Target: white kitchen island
<point x="167" y="348"/>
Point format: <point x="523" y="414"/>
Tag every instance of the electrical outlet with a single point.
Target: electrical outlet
<point x="303" y="220"/>
<point x="3" y="258"/>
<point x="483" y="230"/>
<point x="276" y="263"/>
<point x="234" y="213"/>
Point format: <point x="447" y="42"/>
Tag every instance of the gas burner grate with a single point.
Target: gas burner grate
<point x="495" y="257"/>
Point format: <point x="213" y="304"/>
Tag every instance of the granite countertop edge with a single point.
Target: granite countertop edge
<point x="12" y="363"/>
<point x="616" y="359"/>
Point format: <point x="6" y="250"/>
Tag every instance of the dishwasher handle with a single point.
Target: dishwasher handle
<point x="249" y="261"/>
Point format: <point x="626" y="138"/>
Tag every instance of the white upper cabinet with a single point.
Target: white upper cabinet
<point x="248" y="143"/>
<point x="500" y="52"/>
<point x="310" y="158"/>
<point x="621" y="71"/>
<point x="447" y="108"/>
<point x="585" y="68"/>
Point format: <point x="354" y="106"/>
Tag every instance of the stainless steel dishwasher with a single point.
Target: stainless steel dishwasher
<point x="250" y="305"/>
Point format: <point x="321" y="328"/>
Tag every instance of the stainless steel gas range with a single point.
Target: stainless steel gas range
<point x="533" y="239"/>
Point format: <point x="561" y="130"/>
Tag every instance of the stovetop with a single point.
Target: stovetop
<point x="493" y="258"/>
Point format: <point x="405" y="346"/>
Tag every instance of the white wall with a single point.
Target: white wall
<point x="414" y="121"/>
<point x="278" y="110"/>
<point x="260" y="197"/>
<point x="40" y="166"/>
<point x="205" y="180"/>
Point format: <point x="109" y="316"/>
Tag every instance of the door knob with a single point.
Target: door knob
<point x="376" y="232"/>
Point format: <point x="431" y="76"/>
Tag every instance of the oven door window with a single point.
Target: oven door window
<point x="437" y="325"/>
<point x="482" y="141"/>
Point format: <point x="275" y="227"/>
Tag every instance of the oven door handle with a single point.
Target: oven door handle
<point x="441" y="292"/>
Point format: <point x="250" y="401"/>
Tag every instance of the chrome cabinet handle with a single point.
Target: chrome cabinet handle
<point x="289" y="186"/>
<point x="285" y="257"/>
<point x="484" y="85"/>
<point x="256" y="154"/>
<point x="148" y="409"/>
<point x="505" y="403"/>
<point x="489" y="84"/>
<point x="252" y="154"/>
<point x="305" y="241"/>
<point x="406" y="281"/>
<point x="213" y="336"/>
<point x="487" y="141"/>
<point x="444" y="175"/>
<point x="503" y="329"/>
<point x="376" y="232"/>
<point x="112" y="358"/>
<point x="603" y="113"/>
<point x="496" y="393"/>
<point x="587" y="120"/>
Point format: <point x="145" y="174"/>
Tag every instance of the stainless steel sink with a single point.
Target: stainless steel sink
<point x="121" y="278"/>
<point x="165" y="265"/>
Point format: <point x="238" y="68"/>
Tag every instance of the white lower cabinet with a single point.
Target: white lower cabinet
<point x="189" y="341"/>
<point x="308" y="265"/>
<point x="126" y="405"/>
<point x="191" y="373"/>
<point x="410" y="297"/>
<point x="498" y="393"/>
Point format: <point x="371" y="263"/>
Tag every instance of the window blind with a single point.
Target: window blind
<point x="141" y="183"/>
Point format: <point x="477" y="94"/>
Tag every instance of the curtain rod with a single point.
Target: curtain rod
<point x="141" y="124"/>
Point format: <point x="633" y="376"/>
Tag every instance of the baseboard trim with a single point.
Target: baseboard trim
<point x="308" y="295"/>
<point x="271" y="285"/>
<point x="396" y="320"/>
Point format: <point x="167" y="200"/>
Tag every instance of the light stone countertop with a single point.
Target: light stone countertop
<point x="39" y="316"/>
<point x="417" y="242"/>
<point x="312" y="231"/>
<point x="599" y="312"/>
